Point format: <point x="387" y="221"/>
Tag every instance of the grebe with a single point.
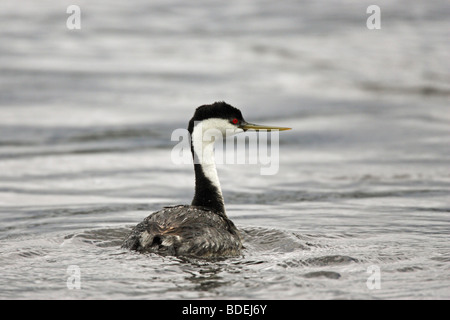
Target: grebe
<point x="201" y="229"/>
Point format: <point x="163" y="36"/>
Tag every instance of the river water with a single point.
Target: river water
<point x="359" y="208"/>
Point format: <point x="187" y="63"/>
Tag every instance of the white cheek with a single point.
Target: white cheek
<point x="222" y="125"/>
<point x="238" y="130"/>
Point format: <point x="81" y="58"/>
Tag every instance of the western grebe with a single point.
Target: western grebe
<point x="201" y="229"/>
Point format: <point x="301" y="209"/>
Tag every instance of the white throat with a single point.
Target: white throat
<point x="204" y="134"/>
<point x="203" y="145"/>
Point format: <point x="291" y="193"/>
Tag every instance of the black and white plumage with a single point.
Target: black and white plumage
<point x="201" y="229"/>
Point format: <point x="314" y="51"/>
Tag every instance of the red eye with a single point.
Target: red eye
<point x="235" y="121"/>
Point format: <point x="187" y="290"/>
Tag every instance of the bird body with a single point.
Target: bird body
<point x="186" y="231"/>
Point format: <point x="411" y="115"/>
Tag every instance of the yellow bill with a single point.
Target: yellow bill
<point x="251" y="126"/>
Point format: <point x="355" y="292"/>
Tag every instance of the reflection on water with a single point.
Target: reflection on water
<point x="86" y="119"/>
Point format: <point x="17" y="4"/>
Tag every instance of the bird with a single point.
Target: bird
<point x="201" y="229"/>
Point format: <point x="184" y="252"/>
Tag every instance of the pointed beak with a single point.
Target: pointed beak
<point x="251" y="126"/>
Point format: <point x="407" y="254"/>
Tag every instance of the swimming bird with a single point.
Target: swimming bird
<point x="203" y="228"/>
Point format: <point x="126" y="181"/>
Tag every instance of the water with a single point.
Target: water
<point x="364" y="179"/>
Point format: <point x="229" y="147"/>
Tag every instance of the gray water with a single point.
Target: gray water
<point x="363" y="184"/>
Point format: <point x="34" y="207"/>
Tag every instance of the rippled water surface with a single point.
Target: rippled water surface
<point x="362" y="195"/>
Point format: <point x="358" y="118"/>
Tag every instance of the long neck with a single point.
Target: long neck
<point x="207" y="186"/>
